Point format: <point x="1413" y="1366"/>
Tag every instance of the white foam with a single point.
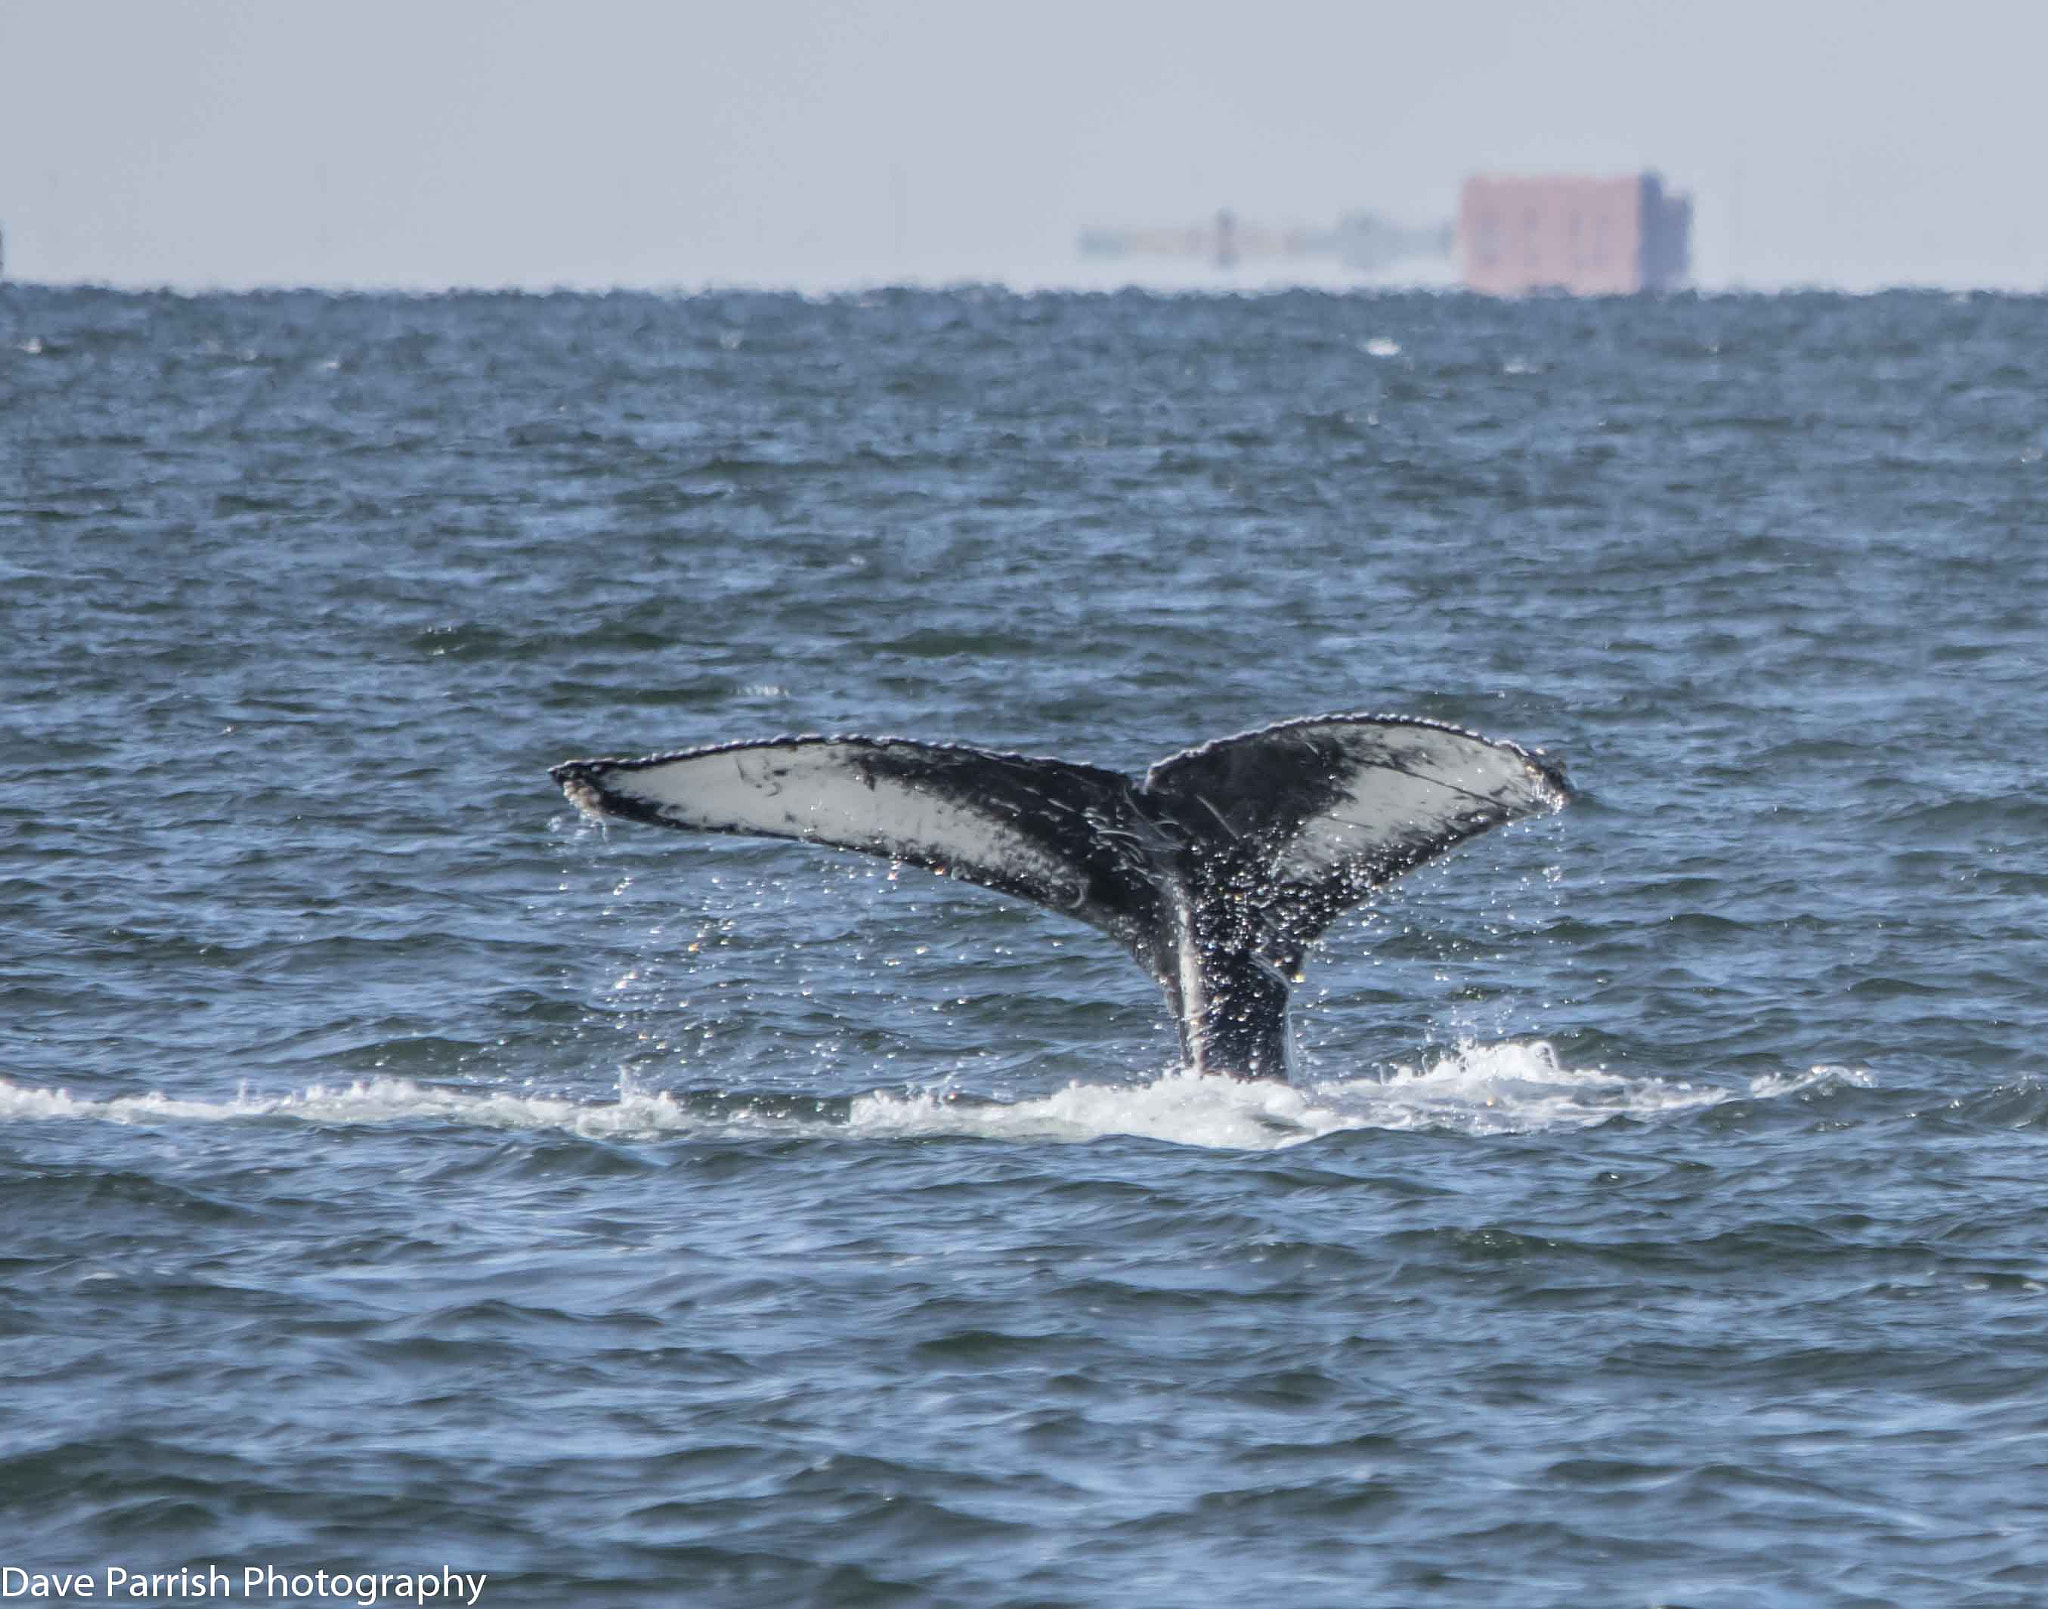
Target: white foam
<point x="1183" y="1108"/>
<point x="1512" y="1087"/>
<point x="1520" y="1087"/>
<point x="373" y="1101"/>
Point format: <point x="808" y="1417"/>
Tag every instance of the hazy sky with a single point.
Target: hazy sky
<point x="437" y="142"/>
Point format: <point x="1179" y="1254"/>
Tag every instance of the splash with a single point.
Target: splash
<point x="1515" y="1087"/>
<point x="1520" y="1087"/>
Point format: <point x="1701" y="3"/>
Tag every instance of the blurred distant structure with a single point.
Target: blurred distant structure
<point x="1587" y="236"/>
<point x="1359" y="240"/>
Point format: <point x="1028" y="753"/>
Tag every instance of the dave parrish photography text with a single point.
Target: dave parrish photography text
<point x="257" y="1583"/>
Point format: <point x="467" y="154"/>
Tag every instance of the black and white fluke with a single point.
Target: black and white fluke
<point x="1216" y="872"/>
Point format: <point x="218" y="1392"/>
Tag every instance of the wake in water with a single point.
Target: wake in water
<point x="1514" y="1087"/>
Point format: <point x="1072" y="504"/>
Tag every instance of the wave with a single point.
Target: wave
<point x="1513" y="1087"/>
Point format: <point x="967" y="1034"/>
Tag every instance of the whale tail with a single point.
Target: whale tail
<point x="1216" y="871"/>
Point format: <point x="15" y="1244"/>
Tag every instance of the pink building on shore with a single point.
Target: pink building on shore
<point x="1592" y="237"/>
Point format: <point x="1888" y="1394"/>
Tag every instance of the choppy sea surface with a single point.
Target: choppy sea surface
<point x="398" y="1172"/>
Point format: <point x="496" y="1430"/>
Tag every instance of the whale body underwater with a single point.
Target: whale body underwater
<point x="1216" y="871"/>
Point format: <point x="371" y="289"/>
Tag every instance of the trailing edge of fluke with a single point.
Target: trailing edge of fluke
<point x="1216" y="872"/>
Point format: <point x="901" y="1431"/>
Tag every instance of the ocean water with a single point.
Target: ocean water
<point x="402" y="1174"/>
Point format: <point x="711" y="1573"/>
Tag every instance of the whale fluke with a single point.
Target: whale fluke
<point x="1216" y="872"/>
